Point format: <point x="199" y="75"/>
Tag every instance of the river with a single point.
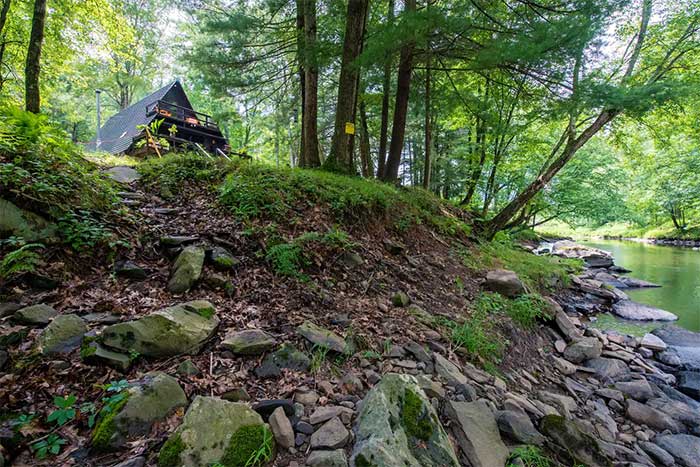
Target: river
<point x="676" y="269"/>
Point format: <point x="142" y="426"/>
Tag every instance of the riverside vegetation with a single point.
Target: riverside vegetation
<point x="214" y="312"/>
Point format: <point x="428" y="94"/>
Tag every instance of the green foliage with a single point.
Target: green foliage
<point x="174" y="168"/>
<point x="22" y="420"/>
<point x="21" y="260"/>
<point x="50" y="445"/>
<point x="82" y="231"/>
<point x="250" y="446"/>
<point x="169" y="455"/>
<point x="319" y="353"/>
<point x="65" y="413"/>
<point x="286" y="259"/>
<point x="478" y="337"/>
<point x="530" y="456"/>
<point x="414" y="417"/>
<point x="111" y="405"/>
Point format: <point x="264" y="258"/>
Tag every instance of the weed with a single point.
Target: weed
<point x="23" y="259"/>
<point x="22" y="420"/>
<point x="371" y="355"/>
<point x="318" y="356"/>
<point x="65" y="413"/>
<point x="286" y="259"/>
<point x="530" y="456"/>
<point x="477" y="336"/>
<point x="50" y="445"/>
<point x="263" y="453"/>
<point x="82" y="231"/>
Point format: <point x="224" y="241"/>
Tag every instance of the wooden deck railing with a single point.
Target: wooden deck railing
<point x="183" y="114"/>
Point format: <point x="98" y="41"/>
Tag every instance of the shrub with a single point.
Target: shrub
<point x="21" y="260"/>
<point x="530" y="456"/>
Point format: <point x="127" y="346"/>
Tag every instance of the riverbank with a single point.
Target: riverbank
<point x="665" y="234"/>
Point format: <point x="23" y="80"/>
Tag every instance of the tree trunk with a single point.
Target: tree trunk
<point x="403" y="84"/>
<point x="300" y="63"/>
<point x="33" y="67"/>
<point x="311" y="157"/>
<point x="428" y="137"/>
<point x="340" y="158"/>
<point x="365" y="160"/>
<point x="3" y="18"/>
<point x="386" y="93"/>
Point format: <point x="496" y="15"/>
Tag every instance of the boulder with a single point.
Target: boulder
<point x="130" y="270"/>
<point x="222" y="259"/>
<point x="608" y="368"/>
<point x="477" y="433"/>
<point x="215" y="431"/>
<point x="173" y="241"/>
<point x="249" y="342"/>
<point x="566" y="326"/>
<point x="335" y="458"/>
<point x="148" y="400"/>
<point x="685" y="344"/>
<point x="583" y="349"/>
<point x="20" y="223"/>
<point x="565" y="405"/>
<point x="285" y="357"/>
<point x="656" y="453"/>
<point x="689" y="383"/>
<point x="685" y="449"/>
<point x="331" y="435"/>
<point x="653" y="418"/>
<point x="187" y="269"/>
<point x="35" y="314"/>
<point x="179" y="329"/>
<point x="669" y="357"/>
<point x="638" y="389"/>
<point x="504" y="282"/>
<point x="323" y="337"/>
<point x="397" y="426"/>
<point x="653" y="342"/>
<point x="640" y="312"/>
<point x="571" y="443"/>
<point x="518" y="427"/>
<point x="96" y="354"/>
<point x="282" y="428"/>
<point x="63" y="335"/>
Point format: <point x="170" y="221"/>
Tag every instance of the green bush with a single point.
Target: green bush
<point x="174" y="168"/>
<point x="530" y="456"/>
<point x="21" y="260"/>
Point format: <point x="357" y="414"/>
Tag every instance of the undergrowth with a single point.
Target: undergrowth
<point x="530" y="456"/>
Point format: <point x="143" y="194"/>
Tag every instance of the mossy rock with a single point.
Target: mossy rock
<point x="176" y="330"/>
<point x="187" y="269"/>
<point x="63" y="335"/>
<point x="20" y="223"/>
<point x="399" y="426"/>
<point x="35" y="314"/>
<point x="216" y="431"/>
<point x="572" y="444"/>
<point x="286" y="356"/>
<point x="149" y="400"/>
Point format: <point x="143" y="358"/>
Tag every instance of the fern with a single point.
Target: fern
<point x="21" y="260"/>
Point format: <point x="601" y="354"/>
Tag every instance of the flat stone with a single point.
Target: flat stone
<point x="8" y="309"/>
<point x="331" y="435"/>
<point x="608" y="368"/>
<point x="640" y="312"/>
<point x="306" y="397"/>
<point x="477" y="433"/>
<point x="249" y="342"/>
<point x="285" y="357"/>
<point x="583" y="349"/>
<point x="448" y="371"/>
<point x="12" y="335"/>
<point x="101" y="318"/>
<point x="335" y="458"/>
<point x="567" y="326"/>
<point x="657" y="454"/>
<point x="565" y="405"/>
<point x="571" y="442"/>
<point x="689" y="383"/>
<point x="63" y="335"/>
<point x="566" y="367"/>
<point x="130" y="270"/>
<point x="266" y="407"/>
<point x="685" y="449"/>
<point x="96" y="354"/>
<point x="669" y="357"/>
<point x="327" y="412"/>
<point x="651" y="417"/>
<point x="35" y="314"/>
<point x="650" y="341"/>
<point x="188" y="368"/>
<point x="123" y="174"/>
<point x="504" y="282"/>
<point x="612" y="394"/>
<point x="638" y="389"/>
<point x="236" y="395"/>
<point x="518" y="427"/>
<point x="323" y="337"/>
<point x="282" y="428"/>
<point x="177" y="240"/>
<point x="187" y="269"/>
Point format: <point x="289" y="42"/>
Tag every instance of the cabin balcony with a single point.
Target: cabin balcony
<point x="183" y="117"/>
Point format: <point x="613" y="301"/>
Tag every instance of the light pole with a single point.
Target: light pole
<point x="98" y="141"/>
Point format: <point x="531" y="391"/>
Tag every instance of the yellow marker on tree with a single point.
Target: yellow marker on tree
<point x="349" y="128"/>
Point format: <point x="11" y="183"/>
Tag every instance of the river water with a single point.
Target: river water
<point x="676" y="269"/>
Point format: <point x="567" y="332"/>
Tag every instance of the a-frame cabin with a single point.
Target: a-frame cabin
<point x="170" y="103"/>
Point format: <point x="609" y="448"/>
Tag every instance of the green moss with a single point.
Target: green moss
<point x="169" y="455"/>
<point x="225" y="262"/>
<point x="87" y="351"/>
<point x="206" y="312"/>
<point x="250" y="446"/>
<point x="361" y="461"/>
<point x="414" y="417"/>
<point x="105" y="429"/>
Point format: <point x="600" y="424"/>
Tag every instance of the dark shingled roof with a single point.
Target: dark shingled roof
<point x="118" y="133"/>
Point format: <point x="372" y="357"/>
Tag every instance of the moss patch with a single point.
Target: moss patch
<point x="169" y="455"/>
<point x="250" y="446"/>
<point x="414" y="417"/>
<point x="105" y="429"/>
<point x="206" y="312"/>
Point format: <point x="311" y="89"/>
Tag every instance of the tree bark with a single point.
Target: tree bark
<point x="428" y="136"/>
<point x="365" y="160"/>
<point x="403" y="84"/>
<point x="33" y="66"/>
<point x="340" y="158"/>
<point x="311" y="156"/>
<point x="386" y="94"/>
<point x="3" y="17"/>
<point x="300" y="63"/>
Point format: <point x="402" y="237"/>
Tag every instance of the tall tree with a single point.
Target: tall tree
<point x="340" y="158"/>
<point x="33" y="64"/>
<point x="4" y="10"/>
<point x="386" y="95"/>
<point x="310" y="155"/>
<point x="403" y="84"/>
<point x="427" y="162"/>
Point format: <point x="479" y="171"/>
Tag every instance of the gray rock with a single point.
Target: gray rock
<point x="249" y="342"/>
<point x="63" y="335"/>
<point x="640" y="312"/>
<point x="335" y="458"/>
<point x="122" y="174"/>
<point x="331" y="435"/>
<point x="669" y="357"/>
<point x="571" y="442"/>
<point x="608" y="368"/>
<point x="685" y="449"/>
<point x="306" y="396"/>
<point x="397" y="426"/>
<point x="567" y="368"/>
<point x="638" y="389"/>
<point x="177" y="240"/>
<point x="236" y="395"/>
<point x="150" y="399"/>
<point x="222" y="259"/>
<point x="8" y="309"/>
<point x="327" y="412"/>
<point x="187" y="269"/>
<point x="448" y="371"/>
<point x="20" y="223"/>
<point x="96" y="354"/>
<point x="175" y="330"/>
<point x="477" y="433"/>
<point x="212" y="428"/>
<point x="139" y="461"/>
<point x="35" y="314"/>
<point x="610" y="394"/>
<point x="653" y="342"/>
<point x="583" y="349"/>
<point x="651" y="417"/>
<point x="504" y="282"/>
<point x="677" y="410"/>
<point x="689" y="383"/>
<point x="187" y="368"/>
<point x="130" y="270"/>
<point x="633" y="283"/>
<point x="323" y="337"/>
<point x="282" y="428"/>
<point x="566" y="326"/>
<point x="285" y="357"/>
<point x="565" y="405"/>
<point x="656" y="453"/>
<point x="518" y="427"/>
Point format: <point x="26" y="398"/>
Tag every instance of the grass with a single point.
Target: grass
<point x="530" y="456"/>
<point x="665" y="230"/>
